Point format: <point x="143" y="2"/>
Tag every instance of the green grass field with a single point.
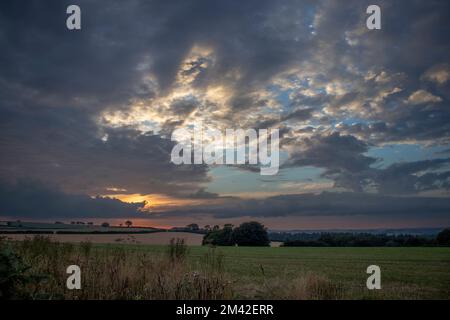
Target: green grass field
<point x="406" y="273"/>
<point x="136" y="271"/>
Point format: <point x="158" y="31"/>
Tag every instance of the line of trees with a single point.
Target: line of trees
<point x="247" y="234"/>
<point x="371" y="240"/>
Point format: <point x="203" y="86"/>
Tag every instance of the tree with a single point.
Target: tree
<point x="443" y="237"/>
<point x="251" y="234"/>
<point x="193" y="227"/>
<point x="128" y="223"/>
<point x="223" y="237"/>
<point x="105" y="225"/>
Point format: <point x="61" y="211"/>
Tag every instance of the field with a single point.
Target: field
<point x="156" y="238"/>
<point x="407" y="273"/>
<point x="138" y="271"/>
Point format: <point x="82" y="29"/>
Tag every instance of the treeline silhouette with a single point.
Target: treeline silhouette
<point x="370" y="240"/>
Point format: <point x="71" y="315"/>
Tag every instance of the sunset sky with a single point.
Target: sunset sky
<point x="86" y="116"/>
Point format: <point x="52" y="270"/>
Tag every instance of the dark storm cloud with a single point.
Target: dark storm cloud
<point x="41" y="56"/>
<point x="64" y="147"/>
<point x="30" y="199"/>
<point x="183" y="107"/>
<point x="396" y="179"/>
<point x="334" y="152"/>
<point x="325" y="204"/>
<point x="55" y="83"/>
<point x="413" y="40"/>
<point x="120" y="42"/>
<point x="409" y="177"/>
<point x="202" y="194"/>
<point x="345" y="161"/>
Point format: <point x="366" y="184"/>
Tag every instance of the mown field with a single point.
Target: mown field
<point x="139" y="271"/>
<point x="406" y="273"/>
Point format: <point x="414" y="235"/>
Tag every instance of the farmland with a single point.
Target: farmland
<point x="152" y="238"/>
<point x="135" y="271"/>
<point x="407" y="273"/>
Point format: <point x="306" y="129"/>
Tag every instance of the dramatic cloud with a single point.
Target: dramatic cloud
<point x="324" y="204"/>
<point x="28" y="199"/>
<point x="334" y="152"/>
<point x="92" y="111"/>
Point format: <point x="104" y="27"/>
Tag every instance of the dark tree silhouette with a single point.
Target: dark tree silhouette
<point x="443" y="237"/>
<point x="128" y="223"/>
<point x="251" y="234"/>
<point x="193" y="226"/>
<point x="220" y="237"/>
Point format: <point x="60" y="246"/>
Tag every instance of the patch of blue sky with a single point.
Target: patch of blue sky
<point x="395" y="153"/>
<point x="231" y="180"/>
<point x="310" y="16"/>
<point x="283" y="97"/>
<point x="149" y="125"/>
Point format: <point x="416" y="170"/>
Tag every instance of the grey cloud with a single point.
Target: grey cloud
<point x="29" y="199"/>
<point x="55" y="83"/>
<point x="324" y="204"/>
<point x="398" y="178"/>
<point x="65" y="147"/>
<point x="334" y="152"/>
<point x="202" y="194"/>
<point x="345" y="162"/>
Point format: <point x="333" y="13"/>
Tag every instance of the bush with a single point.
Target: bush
<point x="12" y="274"/>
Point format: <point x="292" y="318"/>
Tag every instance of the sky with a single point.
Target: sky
<point x="87" y="116"/>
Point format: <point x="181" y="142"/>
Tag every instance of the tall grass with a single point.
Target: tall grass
<point x="112" y="273"/>
<point x="308" y="286"/>
<point x="177" y="250"/>
<point x="36" y="269"/>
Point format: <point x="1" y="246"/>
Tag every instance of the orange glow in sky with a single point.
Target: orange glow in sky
<point x="155" y="202"/>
